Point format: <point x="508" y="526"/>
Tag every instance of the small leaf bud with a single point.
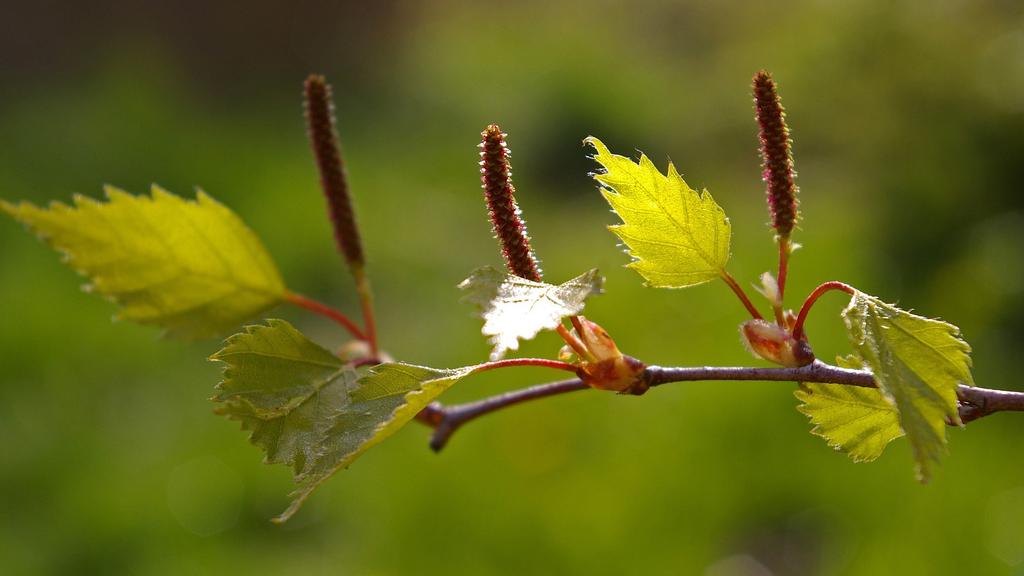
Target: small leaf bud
<point x="774" y="344"/>
<point x="769" y="288"/>
<point x="611" y="369"/>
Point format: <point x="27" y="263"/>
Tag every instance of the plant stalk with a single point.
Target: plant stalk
<point x="975" y="402"/>
<point x="798" y="327"/>
<point x="325" y="310"/>
<point x="738" y="290"/>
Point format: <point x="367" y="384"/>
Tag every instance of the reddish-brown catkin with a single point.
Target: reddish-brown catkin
<point x="776" y="155"/>
<point x="496" y="175"/>
<point x="323" y="137"/>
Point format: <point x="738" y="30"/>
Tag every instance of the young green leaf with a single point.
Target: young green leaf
<point x="677" y="236"/>
<point x="285" y="389"/>
<point x="306" y="408"/>
<point x="858" y="421"/>
<point x="383" y="400"/>
<point x="918" y="363"/>
<point x="514" y="308"/>
<point x="192" y="267"/>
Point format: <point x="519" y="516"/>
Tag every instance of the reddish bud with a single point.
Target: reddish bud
<point x="609" y="369"/>
<point x="776" y="155"/>
<point x="774" y="344"/>
<point x="509" y="228"/>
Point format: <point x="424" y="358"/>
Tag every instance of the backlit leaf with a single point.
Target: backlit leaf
<point x="307" y="409"/>
<point x="918" y="363"/>
<point x="192" y="267"/>
<point x="514" y="308"/>
<point x="856" y="420"/>
<point x="678" y="237"/>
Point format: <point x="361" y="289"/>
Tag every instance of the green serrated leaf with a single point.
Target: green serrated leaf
<point x="918" y="363"/>
<point x="858" y="421"/>
<point x="192" y="267"/>
<point x="677" y="236"/>
<point x="273" y="367"/>
<point x="306" y="408"/>
<point x="285" y="389"/>
<point x="383" y="401"/>
<point x="514" y="308"/>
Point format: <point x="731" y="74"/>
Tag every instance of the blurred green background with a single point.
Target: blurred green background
<point x="909" y="127"/>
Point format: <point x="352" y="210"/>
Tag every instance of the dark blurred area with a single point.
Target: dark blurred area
<point x="908" y="121"/>
<point x="225" y="49"/>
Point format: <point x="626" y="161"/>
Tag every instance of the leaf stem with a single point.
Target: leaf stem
<point x="738" y="290"/>
<point x="541" y="362"/>
<point x="445" y="420"/>
<point x="798" y="328"/>
<point x="325" y="310"/>
<point x="366" y="303"/>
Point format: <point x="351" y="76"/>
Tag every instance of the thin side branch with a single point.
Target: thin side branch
<point x="445" y="420"/>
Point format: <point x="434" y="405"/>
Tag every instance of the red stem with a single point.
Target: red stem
<point x="541" y="362"/>
<point x="325" y="310"/>
<point x="783" y="265"/>
<point x="798" y="328"/>
<point x="741" y="295"/>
